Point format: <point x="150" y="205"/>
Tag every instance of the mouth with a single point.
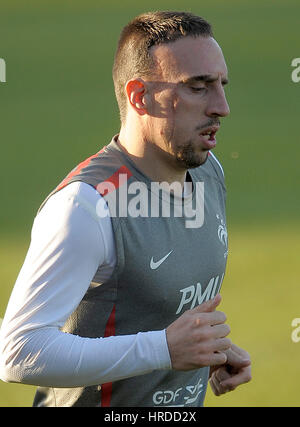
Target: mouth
<point x="208" y="137"/>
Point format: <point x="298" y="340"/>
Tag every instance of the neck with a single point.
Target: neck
<point x="154" y="162"/>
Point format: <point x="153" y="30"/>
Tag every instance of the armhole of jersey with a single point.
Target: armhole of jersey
<point x="218" y="163"/>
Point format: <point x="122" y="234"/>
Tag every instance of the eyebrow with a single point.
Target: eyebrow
<point x="207" y="78"/>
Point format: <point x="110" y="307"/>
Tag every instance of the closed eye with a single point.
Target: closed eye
<point x="198" y="89"/>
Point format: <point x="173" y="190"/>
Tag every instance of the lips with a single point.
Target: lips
<point x="208" y="137"/>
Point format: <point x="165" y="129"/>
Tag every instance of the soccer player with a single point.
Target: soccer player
<point x="116" y="302"/>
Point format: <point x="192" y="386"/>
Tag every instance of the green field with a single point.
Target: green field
<point x="57" y="108"/>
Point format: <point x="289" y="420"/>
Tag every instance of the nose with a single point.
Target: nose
<point x="218" y="105"/>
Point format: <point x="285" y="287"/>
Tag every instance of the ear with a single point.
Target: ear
<point x="136" y="90"/>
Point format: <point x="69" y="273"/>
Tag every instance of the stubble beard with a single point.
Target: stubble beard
<point x="187" y="156"/>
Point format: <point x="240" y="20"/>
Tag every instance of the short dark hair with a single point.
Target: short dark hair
<point x="133" y="58"/>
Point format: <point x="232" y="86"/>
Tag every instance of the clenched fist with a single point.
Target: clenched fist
<point x="198" y="337"/>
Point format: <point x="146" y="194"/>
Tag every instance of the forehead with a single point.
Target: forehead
<point x="189" y="56"/>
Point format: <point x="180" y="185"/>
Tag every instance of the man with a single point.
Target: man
<point x="120" y="309"/>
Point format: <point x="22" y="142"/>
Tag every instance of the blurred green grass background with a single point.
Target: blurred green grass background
<point x="58" y="107"/>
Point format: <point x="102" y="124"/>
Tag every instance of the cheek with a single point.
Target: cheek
<point x="185" y="113"/>
<point x="177" y="114"/>
<point x="186" y="105"/>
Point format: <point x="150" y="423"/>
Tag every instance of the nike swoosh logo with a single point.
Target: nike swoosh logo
<point x="155" y="265"/>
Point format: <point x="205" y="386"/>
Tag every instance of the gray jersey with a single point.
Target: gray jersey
<point x="167" y="262"/>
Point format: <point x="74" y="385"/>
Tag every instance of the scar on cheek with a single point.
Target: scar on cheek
<point x="175" y="101"/>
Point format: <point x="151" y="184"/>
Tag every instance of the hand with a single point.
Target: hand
<point x="197" y="338"/>
<point x="236" y="371"/>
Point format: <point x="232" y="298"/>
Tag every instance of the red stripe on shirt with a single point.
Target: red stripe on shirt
<point x="110" y="330"/>
<point x="77" y="170"/>
<point x="114" y="181"/>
